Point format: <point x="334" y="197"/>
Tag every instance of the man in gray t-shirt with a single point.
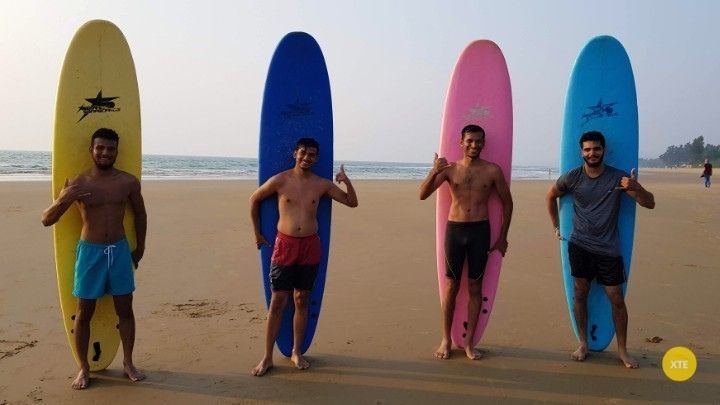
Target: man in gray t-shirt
<point x="596" y="203"/>
<point x="594" y="248"/>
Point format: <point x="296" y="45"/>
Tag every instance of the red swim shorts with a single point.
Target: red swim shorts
<point x="291" y="250"/>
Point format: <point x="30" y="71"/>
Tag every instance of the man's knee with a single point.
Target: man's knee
<point x="302" y="298"/>
<point x="617" y="300"/>
<point x="581" y="288"/>
<point x="124" y="311"/>
<point x="278" y="301"/>
<point x="85" y="310"/>
<point x="452" y="285"/>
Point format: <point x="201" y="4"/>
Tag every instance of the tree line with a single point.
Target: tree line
<point x="692" y="153"/>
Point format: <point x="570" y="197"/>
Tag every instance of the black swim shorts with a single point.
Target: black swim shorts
<point x="609" y="270"/>
<point x="469" y="240"/>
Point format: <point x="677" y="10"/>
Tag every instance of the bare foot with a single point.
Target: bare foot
<point x="580" y="354"/>
<point x="472" y="353"/>
<point x="262" y="367"/>
<point x="299" y="361"/>
<point x="443" y="352"/>
<point x="628" y="360"/>
<point x="133" y="373"/>
<point x="82" y="380"/>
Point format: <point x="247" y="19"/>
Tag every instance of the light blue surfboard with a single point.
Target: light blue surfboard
<point x="296" y="104"/>
<point x="601" y="96"/>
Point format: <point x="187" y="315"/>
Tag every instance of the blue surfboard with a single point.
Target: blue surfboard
<point x="601" y="96"/>
<point x="296" y="104"/>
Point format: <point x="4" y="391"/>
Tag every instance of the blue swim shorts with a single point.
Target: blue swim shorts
<point x="103" y="269"/>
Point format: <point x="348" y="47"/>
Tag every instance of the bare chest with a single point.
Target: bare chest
<point x="105" y="194"/>
<point x="467" y="180"/>
<point x="299" y="195"/>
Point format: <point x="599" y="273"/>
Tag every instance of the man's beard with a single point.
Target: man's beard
<point x="598" y="163"/>
<point x="105" y="167"/>
<point x="473" y="157"/>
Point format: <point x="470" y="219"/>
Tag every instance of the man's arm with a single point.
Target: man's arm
<point x="269" y="188"/>
<point x="636" y="191"/>
<point x="71" y="192"/>
<point x="348" y="198"/>
<point x="552" y="206"/>
<point x="503" y="191"/>
<point x="437" y="175"/>
<point x="137" y="203"/>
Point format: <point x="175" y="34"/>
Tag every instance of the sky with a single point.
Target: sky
<point x="201" y="68"/>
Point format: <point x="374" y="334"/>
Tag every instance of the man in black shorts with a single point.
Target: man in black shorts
<point x="594" y="246"/>
<point x="471" y="181"/>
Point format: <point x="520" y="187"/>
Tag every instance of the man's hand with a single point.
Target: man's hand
<point x="72" y="193"/>
<point x="501" y="245"/>
<point x="137" y="255"/>
<point x="629" y="183"/>
<point x="440" y="164"/>
<point x="260" y="240"/>
<point x="341" y="177"/>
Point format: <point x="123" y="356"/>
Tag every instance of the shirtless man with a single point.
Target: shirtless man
<point x="104" y="264"/>
<point x="296" y="254"/>
<point x="594" y="245"/>
<point x="471" y="180"/>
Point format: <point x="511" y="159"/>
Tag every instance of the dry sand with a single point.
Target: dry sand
<point x="200" y="311"/>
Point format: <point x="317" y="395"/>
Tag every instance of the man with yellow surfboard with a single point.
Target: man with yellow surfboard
<point x="104" y="263"/>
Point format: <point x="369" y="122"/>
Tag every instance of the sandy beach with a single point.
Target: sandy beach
<point x="200" y="311"/>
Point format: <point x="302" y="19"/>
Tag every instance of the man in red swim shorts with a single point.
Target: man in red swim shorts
<point x="294" y="262"/>
<point x="296" y="254"/>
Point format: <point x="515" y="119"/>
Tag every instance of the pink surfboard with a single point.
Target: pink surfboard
<point x="479" y="93"/>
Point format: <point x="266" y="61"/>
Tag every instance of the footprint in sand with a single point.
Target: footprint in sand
<point x="36" y="394"/>
<point x="10" y="348"/>
<point x="203" y="308"/>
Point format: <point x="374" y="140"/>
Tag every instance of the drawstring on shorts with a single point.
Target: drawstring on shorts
<point x="109" y="253"/>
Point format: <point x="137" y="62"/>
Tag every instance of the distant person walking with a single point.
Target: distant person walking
<point x="707" y="172"/>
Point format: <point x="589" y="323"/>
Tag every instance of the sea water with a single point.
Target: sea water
<point x="36" y="166"/>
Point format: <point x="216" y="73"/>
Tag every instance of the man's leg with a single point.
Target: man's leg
<point x="581" y="289"/>
<point x="620" y="318"/>
<point x="278" y="301"/>
<point x="302" y="300"/>
<point x="474" y="303"/>
<point x="478" y="245"/>
<point x="448" y="310"/>
<point x="124" y="311"/>
<point x="83" y="315"/>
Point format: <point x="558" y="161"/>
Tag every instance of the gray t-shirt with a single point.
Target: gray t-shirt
<point x="596" y="204"/>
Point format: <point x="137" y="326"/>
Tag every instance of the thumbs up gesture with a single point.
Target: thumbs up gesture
<point x="341" y="177"/>
<point x="629" y="183"/>
<point x="440" y="164"/>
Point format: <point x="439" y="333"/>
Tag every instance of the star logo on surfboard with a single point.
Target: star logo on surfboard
<point x="599" y="110"/>
<point x="477" y="112"/>
<point x="97" y="105"/>
<point x="298" y="109"/>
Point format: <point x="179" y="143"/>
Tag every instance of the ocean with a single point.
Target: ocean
<point x="36" y="166"/>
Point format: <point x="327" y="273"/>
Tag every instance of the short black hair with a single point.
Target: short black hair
<point x="104" y="133"/>
<point x="307" y="143"/>
<point x="472" y="128"/>
<point x="593" y="136"/>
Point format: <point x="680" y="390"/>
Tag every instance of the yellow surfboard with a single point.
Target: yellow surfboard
<point x="97" y="89"/>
